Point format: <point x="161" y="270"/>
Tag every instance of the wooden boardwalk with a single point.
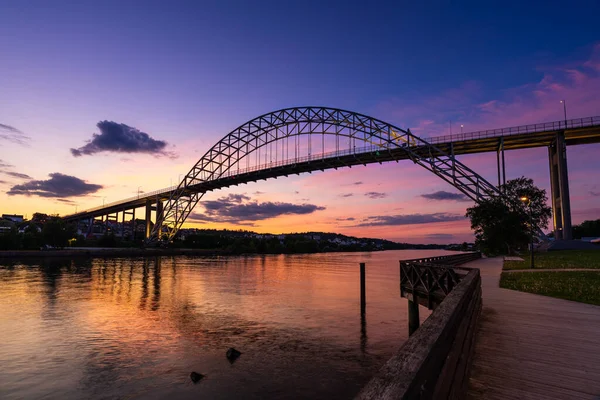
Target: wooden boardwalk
<point x="533" y="347"/>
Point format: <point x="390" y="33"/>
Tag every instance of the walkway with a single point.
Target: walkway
<point x="555" y="270"/>
<point x="533" y="347"/>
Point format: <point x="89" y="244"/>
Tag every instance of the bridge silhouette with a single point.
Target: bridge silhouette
<point x="305" y="139"/>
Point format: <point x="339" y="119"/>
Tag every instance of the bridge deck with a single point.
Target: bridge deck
<point x="533" y="347"/>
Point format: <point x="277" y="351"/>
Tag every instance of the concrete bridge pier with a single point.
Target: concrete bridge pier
<point x="148" y="219"/>
<point x="500" y="161"/>
<point x="159" y="217"/>
<point x="559" y="188"/>
<point x="132" y="213"/>
<point x="150" y="206"/>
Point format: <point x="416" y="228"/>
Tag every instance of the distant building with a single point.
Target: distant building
<point x="13" y="217"/>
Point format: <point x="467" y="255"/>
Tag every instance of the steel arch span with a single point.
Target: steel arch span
<point x="271" y="135"/>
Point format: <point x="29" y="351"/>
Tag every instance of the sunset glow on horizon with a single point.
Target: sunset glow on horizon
<point x="94" y="112"/>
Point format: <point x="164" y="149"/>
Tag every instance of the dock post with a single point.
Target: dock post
<point x="363" y="299"/>
<point x="413" y="314"/>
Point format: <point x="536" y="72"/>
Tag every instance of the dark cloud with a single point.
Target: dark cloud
<point x="258" y="192"/>
<point x="442" y="195"/>
<point x="357" y="183"/>
<point x="17" y="175"/>
<point x="12" y="134"/>
<point x="237" y="208"/>
<point x="409" y="219"/>
<point x="595" y="194"/>
<point x="346" y="219"/>
<point x="66" y="201"/>
<point x="5" y="165"/>
<point x="346" y="195"/>
<point x="59" y="185"/>
<point x="121" y="138"/>
<point x="2" y="182"/>
<point x="375" y="195"/>
<point x="3" y="169"/>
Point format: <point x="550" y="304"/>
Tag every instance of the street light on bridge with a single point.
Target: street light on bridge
<point x="461" y="128"/>
<point x="139" y="187"/>
<point x="564" y="103"/>
<point x="526" y="200"/>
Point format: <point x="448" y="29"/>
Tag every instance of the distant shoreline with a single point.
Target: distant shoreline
<point x="131" y="252"/>
<point x="107" y="252"/>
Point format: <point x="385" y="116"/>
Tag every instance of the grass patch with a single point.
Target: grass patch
<point x="559" y="260"/>
<point x="582" y="286"/>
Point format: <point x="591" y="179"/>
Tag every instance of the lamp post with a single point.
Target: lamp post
<point x="564" y="103"/>
<point x="139" y="187"/>
<point x="527" y="200"/>
<point x="461" y="128"/>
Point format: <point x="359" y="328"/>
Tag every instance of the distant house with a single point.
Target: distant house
<point x="6" y="226"/>
<point x="13" y="217"/>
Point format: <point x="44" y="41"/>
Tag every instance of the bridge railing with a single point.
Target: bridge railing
<point x="516" y="130"/>
<point x="238" y="171"/>
<point x="116" y="203"/>
<point x="435" y="362"/>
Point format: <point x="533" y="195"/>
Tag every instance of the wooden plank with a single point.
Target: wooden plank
<point x="533" y="347"/>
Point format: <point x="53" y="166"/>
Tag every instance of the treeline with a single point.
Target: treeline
<point x="587" y="229"/>
<point x="249" y="242"/>
<point x="35" y="234"/>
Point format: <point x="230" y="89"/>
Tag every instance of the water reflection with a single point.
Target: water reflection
<point x="363" y="332"/>
<point x="137" y="327"/>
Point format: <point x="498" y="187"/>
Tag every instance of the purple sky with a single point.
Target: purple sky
<point x="122" y="97"/>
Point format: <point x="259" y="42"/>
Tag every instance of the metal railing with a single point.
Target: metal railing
<point x="518" y="130"/>
<point x="238" y="171"/>
<point x="432" y="278"/>
<point x="515" y="130"/>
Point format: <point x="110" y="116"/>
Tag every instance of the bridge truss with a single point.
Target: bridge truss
<point x="274" y="133"/>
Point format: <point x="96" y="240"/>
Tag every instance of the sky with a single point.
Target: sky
<point x="100" y="100"/>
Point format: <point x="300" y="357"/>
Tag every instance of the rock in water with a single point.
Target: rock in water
<point x="233" y="354"/>
<point x="195" y="377"/>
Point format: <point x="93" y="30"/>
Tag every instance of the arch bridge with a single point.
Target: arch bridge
<point x="293" y="141"/>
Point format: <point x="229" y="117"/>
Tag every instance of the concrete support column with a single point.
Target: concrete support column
<point x="559" y="188"/>
<point x="122" y="224"/>
<point x="159" y="217"/>
<point x="133" y="226"/>
<point x="90" y="227"/>
<point x="499" y="152"/>
<point x="148" y="219"/>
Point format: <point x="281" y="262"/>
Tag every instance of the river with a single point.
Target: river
<point x="135" y="328"/>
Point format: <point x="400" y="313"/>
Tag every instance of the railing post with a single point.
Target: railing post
<point x="363" y="300"/>
<point x="413" y="314"/>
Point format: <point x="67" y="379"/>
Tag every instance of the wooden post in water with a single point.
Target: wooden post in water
<point x="363" y="299"/>
<point x="413" y="314"/>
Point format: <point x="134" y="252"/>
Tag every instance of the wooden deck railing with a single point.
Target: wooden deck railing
<point x="434" y="363"/>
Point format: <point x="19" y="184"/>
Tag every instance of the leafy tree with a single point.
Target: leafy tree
<point x="502" y="223"/>
<point x="56" y="232"/>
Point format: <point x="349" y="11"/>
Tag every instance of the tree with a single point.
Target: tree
<point x="502" y="223"/>
<point x="587" y="228"/>
<point x="56" y="232"/>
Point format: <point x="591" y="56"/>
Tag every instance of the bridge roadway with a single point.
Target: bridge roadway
<point x="579" y="131"/>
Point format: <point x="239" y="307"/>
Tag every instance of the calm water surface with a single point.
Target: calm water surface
<point x="136" y="328"/>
